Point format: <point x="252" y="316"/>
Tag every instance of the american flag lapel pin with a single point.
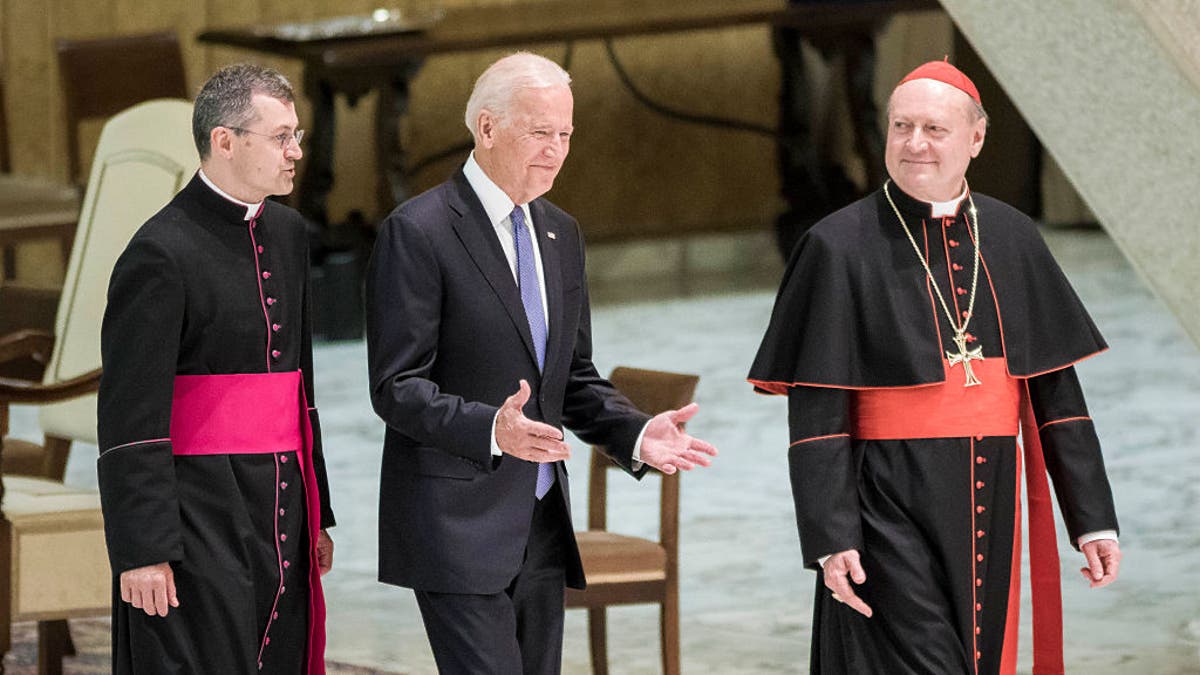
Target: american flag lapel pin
<point x="551" y="235"/>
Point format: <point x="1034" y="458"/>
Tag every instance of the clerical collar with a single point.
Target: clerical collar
<point x="950" y="208"/>
<point x="251" y="209"/>
<point x="496" y="204"/>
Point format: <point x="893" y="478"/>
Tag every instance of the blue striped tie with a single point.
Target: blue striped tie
<point x="531" y="297"/>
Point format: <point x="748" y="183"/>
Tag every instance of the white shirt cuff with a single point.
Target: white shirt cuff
<point x="1096" y="536"/>
<point x="822" y="559"/>
<point x="496" y="451"/>
<point x="635" y="459"/>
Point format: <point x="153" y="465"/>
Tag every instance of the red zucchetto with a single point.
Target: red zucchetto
<point x="942" y="71"/>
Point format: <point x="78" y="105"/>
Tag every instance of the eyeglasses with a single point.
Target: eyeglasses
<point x="284" y="140"/>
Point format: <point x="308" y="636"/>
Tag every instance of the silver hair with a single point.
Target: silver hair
<point x="495" y="88"/>
<point x="226" y="100"/>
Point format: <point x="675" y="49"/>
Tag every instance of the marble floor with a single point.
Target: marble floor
<point x="700" y="306"/>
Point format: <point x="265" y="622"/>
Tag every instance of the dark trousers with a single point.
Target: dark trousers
<point x="518" y="630"/>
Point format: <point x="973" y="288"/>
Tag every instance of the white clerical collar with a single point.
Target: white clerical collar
<point x="950" y="208"/>
<point x="251" y="209"/>
<point x="496" y="204"/>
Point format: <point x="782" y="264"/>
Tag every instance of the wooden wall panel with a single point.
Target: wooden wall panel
<point x="631" y="171"/>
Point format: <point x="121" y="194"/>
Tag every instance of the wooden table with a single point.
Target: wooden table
<point x="33" y="209"/>
<point x="386" y="60"/>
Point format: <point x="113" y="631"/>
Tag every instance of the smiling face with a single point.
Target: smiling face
<point x="933" y="133"/>
<point x="523" y="151"/>
<point x="254" y="164"/>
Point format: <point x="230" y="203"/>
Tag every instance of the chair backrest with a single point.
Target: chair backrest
<point x="145" y="155"/>
<point x="652" y="391"/>
<point x="104" y="76"/>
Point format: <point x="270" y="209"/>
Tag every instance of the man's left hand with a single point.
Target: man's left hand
<point x="667" y="448"/>
<point x="1103" y="559"/>
<point x="324" y="552"/>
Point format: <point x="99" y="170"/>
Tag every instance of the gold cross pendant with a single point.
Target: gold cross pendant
<point x="965" y="357"/>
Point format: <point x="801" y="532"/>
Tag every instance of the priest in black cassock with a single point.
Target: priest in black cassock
<point x="211" y="474"/>
<point x="916" y="334"/>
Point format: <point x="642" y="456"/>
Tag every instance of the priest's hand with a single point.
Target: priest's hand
<point x="836" y="569"/>
<point x="519" y="436"/>
<point x="150" y="588"/>
<point x="1103" y="559"/>
<point x="324" y="552"/>
<point x="667" y="448"/>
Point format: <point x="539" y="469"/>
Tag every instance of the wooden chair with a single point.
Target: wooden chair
<point x="104" y="76"/>
<point x="145" y="155"/>
<point x="625" y="570"/>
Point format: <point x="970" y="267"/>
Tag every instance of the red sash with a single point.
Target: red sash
<point x="210" y="415"/>
<point x="997" y="407"/>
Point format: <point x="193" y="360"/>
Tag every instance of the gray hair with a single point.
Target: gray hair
<point x="226" y="99"/>
<point x="495" y="88"/>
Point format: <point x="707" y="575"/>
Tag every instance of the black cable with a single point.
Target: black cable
<point x="683" y="116"/>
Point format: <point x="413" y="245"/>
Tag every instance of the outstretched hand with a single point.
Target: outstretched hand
<point x="519" y="436"/>
<point x="667" y="448"/>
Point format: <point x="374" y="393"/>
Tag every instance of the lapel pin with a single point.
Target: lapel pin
<point x="552" y="235"/>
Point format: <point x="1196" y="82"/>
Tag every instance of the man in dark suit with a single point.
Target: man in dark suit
<point x="479" y="342"/>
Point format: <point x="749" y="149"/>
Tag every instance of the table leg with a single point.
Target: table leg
<point x="317" y="180"/>
<point x="391" y="178"/>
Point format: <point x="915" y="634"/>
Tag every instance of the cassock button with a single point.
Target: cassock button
<point x="274" y="615"/>
<point x="270" y="301"/>
<point x="964" y="313"/>
<point x="282" y="590"/>
<point x="979" y="557"/>
<point x="977" y="630"/>
<point x="953" y="243"/>
<point x="275" y="327"/>
<point x="260" y="248"/>
<point x="283" y="485"/>
<point x="286" y="564"/>
<point x="978" y="582"/>
<point x="275" y="354"/>
<point x="980" y="509"/>
<point x="980" y="460"/>
<point x="978" y="656"/>
<point x="266" y="274"/>
<point x="281" y="512"/>
<point x="956" y="267"/>
<point x="978" y="534"/>
<point x="283" y="459"/>
<point x="267" y="641"/>
<point x="979" y="437"/>
<point x="978" y="485"/>
<point x="960" y="290"/>
<point x="978" y="607"/>
<point x="283" y="537"/>
<point x="260" y="662"/>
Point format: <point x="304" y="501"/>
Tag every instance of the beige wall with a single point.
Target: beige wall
<point x="632" y="172"/>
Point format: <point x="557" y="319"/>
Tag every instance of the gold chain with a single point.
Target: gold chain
<point x="959" y="330"/>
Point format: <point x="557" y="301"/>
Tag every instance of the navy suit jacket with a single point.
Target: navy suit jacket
<point x="448" y="342"/>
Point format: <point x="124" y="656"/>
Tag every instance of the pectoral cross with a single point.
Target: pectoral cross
<point x="965" y="357"/>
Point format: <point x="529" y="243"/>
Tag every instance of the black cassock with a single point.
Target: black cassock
<point x="201" y="290"/>
<point x="935" y="515"/>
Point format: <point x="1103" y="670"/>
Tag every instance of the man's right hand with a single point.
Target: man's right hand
<point x="150" y="588"/>
<point x="519" y="436"/>
<point x="837" y="568"/>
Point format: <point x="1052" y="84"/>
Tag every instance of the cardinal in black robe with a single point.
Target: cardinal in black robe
<point x="918" y="334"/>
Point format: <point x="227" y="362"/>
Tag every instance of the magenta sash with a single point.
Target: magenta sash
<point x="256" y="413"/>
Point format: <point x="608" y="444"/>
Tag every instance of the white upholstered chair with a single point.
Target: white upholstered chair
<point x="52" y="553"/>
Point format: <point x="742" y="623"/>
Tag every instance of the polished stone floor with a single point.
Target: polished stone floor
<point x="746" y="602"/>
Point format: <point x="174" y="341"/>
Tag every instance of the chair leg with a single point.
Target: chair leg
<point x="669" y="618"/>
<point x="598" y="635"/>
<point x="53" y="638"/>
<point x="57" y="450"/>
